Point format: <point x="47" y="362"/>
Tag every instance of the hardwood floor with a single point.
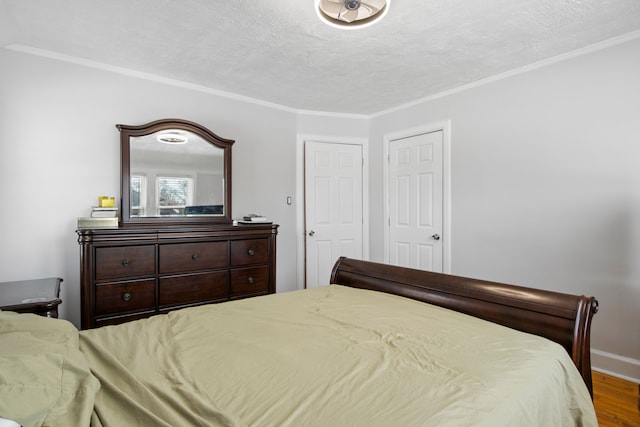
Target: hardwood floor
<point x="617" y="401"/>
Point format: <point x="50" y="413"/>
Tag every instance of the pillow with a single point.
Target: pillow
<point x="44" y="378"/>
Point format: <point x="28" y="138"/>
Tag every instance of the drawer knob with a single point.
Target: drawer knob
<point x="194" y="257"/>
<point x="126" y="262"/>
<point x="251" y="252"/>
<point x="126" y="296"/>
<point x="250" y="279"/>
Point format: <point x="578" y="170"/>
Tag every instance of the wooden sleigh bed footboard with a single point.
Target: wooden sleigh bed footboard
<point x="563" y="318"/>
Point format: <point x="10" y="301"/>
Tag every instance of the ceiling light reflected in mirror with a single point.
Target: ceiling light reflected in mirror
<point x="173" y="138"/>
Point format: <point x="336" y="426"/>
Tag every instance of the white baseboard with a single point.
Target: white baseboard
<point x="615" y="365"/>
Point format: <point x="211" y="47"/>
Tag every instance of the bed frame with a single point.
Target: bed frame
<point x="563" y="318"/>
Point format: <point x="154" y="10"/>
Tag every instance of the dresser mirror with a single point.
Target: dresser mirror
<point x="174" y="172"/>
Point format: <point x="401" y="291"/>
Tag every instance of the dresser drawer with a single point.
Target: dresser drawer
<point x="254" y="251"/>
<point x="125" y="261"/>
<point x="185" y="257"/>
<point x="193" y="288"/>
<point x="125" y="297"/>
<point x="250" y="280"/>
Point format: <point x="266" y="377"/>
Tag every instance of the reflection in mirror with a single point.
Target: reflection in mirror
<point x="174" y="171"/>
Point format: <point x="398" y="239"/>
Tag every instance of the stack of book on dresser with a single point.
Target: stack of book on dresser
<point x="101" y="217"/>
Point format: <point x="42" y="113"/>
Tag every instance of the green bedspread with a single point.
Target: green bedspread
<point x="332" y="356"/>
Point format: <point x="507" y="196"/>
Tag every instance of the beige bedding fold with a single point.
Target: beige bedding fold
<point x="143" y="380"/>
<point x="44" y="378"/>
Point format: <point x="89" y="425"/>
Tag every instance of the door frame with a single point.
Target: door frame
<point x="300" y="191"/>
<point x="445" y="127"/>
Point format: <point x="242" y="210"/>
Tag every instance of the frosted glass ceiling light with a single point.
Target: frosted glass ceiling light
<point x="351" y="14"/>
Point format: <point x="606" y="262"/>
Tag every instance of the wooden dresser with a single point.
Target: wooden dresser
<point x="133" y="272"/>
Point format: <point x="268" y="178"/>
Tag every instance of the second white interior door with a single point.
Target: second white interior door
<point x="416" y="201"/>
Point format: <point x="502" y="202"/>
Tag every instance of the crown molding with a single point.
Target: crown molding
<point x="145" y="76"/>
<point x="517" y="71"/>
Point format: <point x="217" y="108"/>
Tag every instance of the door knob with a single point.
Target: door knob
<point x="436" y="237"/>
<point x="311" y="233"/>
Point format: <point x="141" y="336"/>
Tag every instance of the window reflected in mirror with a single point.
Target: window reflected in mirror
<point x="138" y="195"/>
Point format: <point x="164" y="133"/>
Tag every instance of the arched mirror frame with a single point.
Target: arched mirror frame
<point x="128" y="131"/>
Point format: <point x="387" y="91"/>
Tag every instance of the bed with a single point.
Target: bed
<point x="382" y="345"/>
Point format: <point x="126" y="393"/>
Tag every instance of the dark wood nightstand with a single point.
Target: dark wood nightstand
<point x="39" y="296"/>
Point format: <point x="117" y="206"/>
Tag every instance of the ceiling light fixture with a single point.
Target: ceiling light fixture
<point x="351" y="14"/>
<point x="174" y="138"/>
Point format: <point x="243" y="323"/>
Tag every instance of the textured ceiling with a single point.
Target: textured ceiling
<point x="279" y="52"/>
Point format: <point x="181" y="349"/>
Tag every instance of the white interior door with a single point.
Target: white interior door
<point x="333" y="207"/>
<point x="416" y="201"/>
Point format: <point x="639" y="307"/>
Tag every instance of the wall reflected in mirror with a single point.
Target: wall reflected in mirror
<point x="175" y="173"/>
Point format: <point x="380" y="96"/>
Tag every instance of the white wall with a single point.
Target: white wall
<point x="545" y="177"/>
<point x="59" y="150"/>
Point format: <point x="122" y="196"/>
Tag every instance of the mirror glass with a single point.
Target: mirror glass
<point x="175" y="171"/>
